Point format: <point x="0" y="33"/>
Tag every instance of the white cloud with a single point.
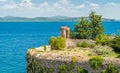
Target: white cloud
<point x="94" y="5"/>
<point x="57" y="5"/>
<point x="80" y="6"/>
<point x="26" y="4"/>
<point x="112" y="4"/>
<point x="11" y="5"/>
<point x="65" y="2"/>
<point x="60" y="7"/>
<point x="44" y="5"/>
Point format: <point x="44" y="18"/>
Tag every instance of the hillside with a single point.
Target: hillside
<point x="44" y="19"/>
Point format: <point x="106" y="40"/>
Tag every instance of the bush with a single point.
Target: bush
<point x="45" y="48"/>
<point x="96" y="61"/>
<point x="118" y="56"/>
<point x="115" y="43"/>
<point x="62" y="69"/>
<point x="57" y="43"/>
<point x="84" y="44"/>
<point x="72" y="34"/>
<point x="81" y="70"/>
<point x="103" y="50"/>
<point x="111" y="69"/>
<point x="92" y="45"/>
<point x="78" y="45"/>
<point x="102" y="39"/>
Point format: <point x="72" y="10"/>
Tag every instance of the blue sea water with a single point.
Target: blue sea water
<point x="17" y="37"/>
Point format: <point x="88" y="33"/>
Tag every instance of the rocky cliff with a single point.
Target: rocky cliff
<point x="56" y="62"/>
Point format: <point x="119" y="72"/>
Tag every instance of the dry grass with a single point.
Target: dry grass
<point x="82" y="53"/>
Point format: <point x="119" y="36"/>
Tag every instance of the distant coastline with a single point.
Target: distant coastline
<point x="45" y="19"/>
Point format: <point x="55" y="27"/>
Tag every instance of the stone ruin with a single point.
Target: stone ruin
<point x="65" y="31"/>
<point x="71" y="43"/>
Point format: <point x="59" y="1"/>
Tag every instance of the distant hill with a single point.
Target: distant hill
<point x="44" y="19"/>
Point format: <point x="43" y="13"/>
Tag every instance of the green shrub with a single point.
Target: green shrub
<point x="74" y="59"/>
<point x="78" y="45"/>
<point x="96" y="61"/>
<point x="92" y="45"/>
<point x="118" y="56"/>
<point x="102" y="39"/>
<point x="72" y="34"/>
<point x="57" y="43"/>
<point x="110" y="69"/>
<point x="115" y="43"/>
<point x="52" y="41"/>
<point x="62" y="69"/>
<point x="50" y="70"/>
<point x="84" y="44"/>
<point x="45" y="48"/>
<point x="103" y="51"/>
<point x="81" y="70"/>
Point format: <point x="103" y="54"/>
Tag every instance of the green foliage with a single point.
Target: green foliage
<point x="81" y="70"/>
<point x="74" y="59"/>
<point x="52" y="41"/>
<point x="45" y="70"/>
<point x="78" y="45"/>
<point x="50" y="70"/>
<point x="62" y="69"/>
<point x="115" y="43"/>
<point x="103" y="51"/>
<point x="89" y="28"/>
<point x="34" y="66"/>
<point x="96" y="61"/>
<point x="111" y="69"/>
<point x="84" y="44"/>
<point x="41" y="69"/>
<point x="103" y="39"/>
<point x="57" y="43"/>
<point x="32" y="48"/>
<point x="45" y="48"/>
<point x="72" y="34"/>
<point x="118" y="56"/>
<point x="82" y="29"/>
<point x="96" y="24"/>
<point x="92" y="45"/>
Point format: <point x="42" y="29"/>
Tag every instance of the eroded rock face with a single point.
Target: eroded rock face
<point x="40" y="62"/>
<point x="71" y="43"/>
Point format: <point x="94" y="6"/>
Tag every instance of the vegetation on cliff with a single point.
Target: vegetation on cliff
<point x="95" y="53"/>
<point x="89" y="28"/>
<point x="57" y="43"/>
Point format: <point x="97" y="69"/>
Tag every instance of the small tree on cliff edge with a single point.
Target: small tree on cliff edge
<point x="89" y="28"/>
<point x="96" y="24"/>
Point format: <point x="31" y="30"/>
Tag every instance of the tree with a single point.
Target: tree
<point x="89" y="28"/>
<point x="82" y="29"/>
<point x="96" y="24"/>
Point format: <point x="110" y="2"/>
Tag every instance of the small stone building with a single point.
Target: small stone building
<point x="65" y="31"/>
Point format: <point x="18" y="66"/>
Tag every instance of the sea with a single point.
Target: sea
<point x="17" y="37"/>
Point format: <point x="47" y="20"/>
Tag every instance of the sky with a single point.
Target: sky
<point x="72" y="8"/>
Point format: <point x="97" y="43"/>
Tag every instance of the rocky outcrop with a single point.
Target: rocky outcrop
<point x="71" y="43"/>
<point x="46" y="62"/>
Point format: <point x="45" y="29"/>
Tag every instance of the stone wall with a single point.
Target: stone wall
<point x="71" y="43"/>
<point x="40" y="62"/>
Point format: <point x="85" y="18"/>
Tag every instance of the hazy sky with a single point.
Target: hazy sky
<point x="71" y="8"/>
